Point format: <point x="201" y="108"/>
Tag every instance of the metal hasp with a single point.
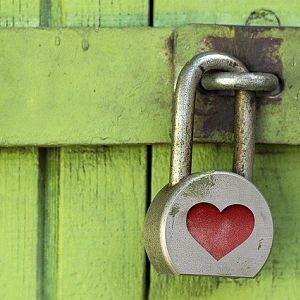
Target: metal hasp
<point x="182" y="137"/>
<point x="214" y="223"/>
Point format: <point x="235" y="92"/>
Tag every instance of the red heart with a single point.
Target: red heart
<point x="219" y="232"/>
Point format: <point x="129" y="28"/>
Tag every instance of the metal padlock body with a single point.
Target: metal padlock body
<point x="171" y="247"/>
<point x="216" y="223"/>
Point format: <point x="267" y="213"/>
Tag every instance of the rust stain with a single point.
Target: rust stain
<point x="215" y="111"/>
<point x="170" y="44"/>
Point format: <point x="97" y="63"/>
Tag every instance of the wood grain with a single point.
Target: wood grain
<point x="21" y="205"/>
<point x="94" y="86"/>
<point x="51" y="171"/>
<point x="237" y="12"/>
<point x="20" y="250"/>
<point x="114" y="86"/>
<point x="19" y="13"/>
<point x="95" y="13"/>
<point x="73" y="230"/>
<point x="95" y="196"/>
<point x="96" y="209"/>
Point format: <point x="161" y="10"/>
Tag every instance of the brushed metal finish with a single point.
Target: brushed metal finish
<point x="184" y="104"/>
<point x="244" y="133"/>
<point x="266" y="82"/>
<point x="172" y="249"/>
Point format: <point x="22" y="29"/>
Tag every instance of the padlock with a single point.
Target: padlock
<point x="215" y="223"/>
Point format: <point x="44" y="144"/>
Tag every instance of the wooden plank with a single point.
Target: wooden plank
<point x="99" y="221"/>
<point x="276" y="176"/>
<point x="95" y="13"/>
<point x="21" y="227"/>
<point x="21" y="13"/>
<point x="96" y="197"/>
<point x="20" y="251"/>
<point x="237" y="12"/>
<point x="123" y="78"/>
<point x="84" y="86"/>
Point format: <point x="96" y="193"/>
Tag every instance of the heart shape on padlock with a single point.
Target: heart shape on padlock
<point x="220" y="232"/>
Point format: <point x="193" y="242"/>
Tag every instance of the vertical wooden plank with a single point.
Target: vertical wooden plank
<point x="95" y="13"/>
<point x="19" y="255"/>
<point x="19" y="13"/>
<point x="95" y="196"/>
<point x="102" y="204"/>
<point x="95" y="205"/>
<point x="277" y="177"/>
<point x="95" y="201"/>
<point x="20" y="203"/>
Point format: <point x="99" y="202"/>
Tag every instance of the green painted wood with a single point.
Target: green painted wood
<point x="97" y="209"/>
<point x="275" y="174"/>
<point x="114" y="86"/>
<point x="20" y="253"/>
<point x="235" y="12"/>
<point x="95" y="13"/>
<point x="82" y="86"/>
<point x="95" y="197"/>
<point x="21" y="207"/>
<point x="51" y="199"/>
<point x="21" y="13"/>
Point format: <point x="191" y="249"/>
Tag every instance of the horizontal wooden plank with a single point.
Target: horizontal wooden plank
<point x="233" y="12"/>
<point x="85" y="86"/>
<point x="112" y="86"/>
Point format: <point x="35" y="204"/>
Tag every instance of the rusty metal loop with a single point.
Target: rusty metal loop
<point x="183" y="117"/>
<point x="266" y="82"/>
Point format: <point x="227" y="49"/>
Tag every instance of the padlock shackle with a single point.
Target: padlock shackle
<point x="183" y="116"/>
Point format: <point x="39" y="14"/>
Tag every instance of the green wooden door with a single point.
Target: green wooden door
<point x="72" y="216"/>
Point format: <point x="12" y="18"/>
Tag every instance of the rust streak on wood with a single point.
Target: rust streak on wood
<point x="216" y="109"/>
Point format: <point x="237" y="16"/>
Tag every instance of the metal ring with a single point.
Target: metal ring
<point x="240" y="81"/>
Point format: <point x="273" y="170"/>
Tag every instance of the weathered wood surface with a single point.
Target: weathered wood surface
<point x="95" y="205"/>
<point x="114" y="86"/>
<point x="95" y="13"/>
<point x="21" y="208"/>
<point x="71" y="217"/>
<point x="20" y="224"/>
<point x="21" y="13"/>
<point x="95" y="197"/>
<point x="71" y="225"/>
<point x="84" y="86"/>
<point x="231" y="12"/>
